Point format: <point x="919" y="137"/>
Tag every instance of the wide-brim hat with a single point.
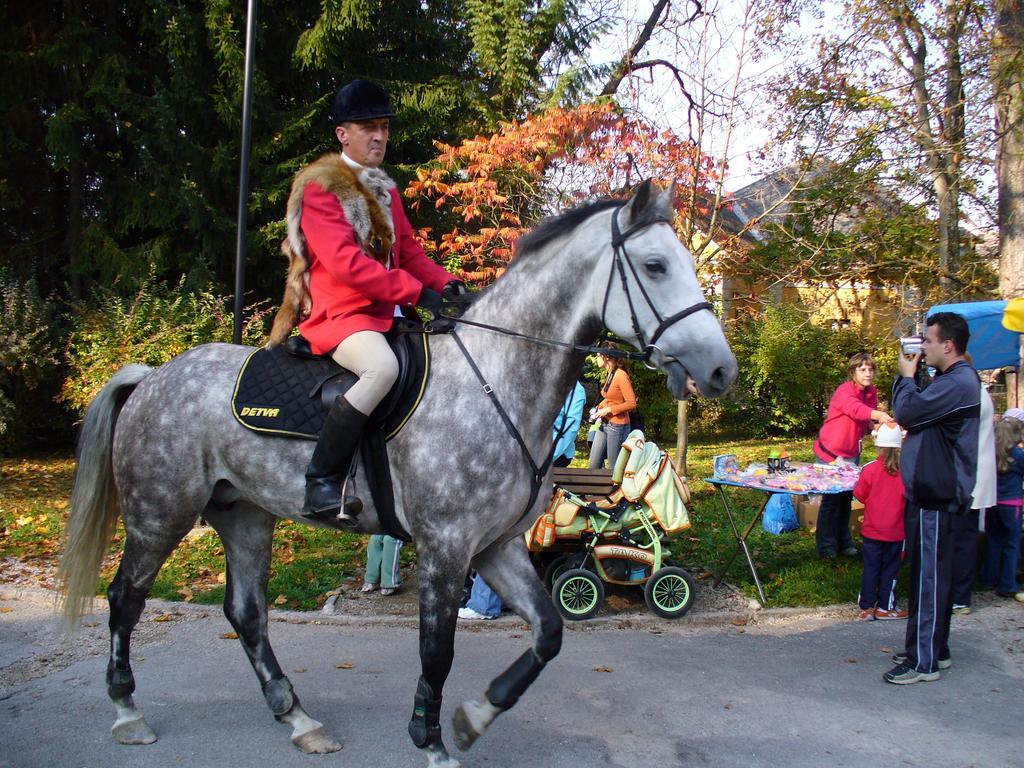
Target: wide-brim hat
<point x="888" y="436"/>
<point x="360" y="100"/>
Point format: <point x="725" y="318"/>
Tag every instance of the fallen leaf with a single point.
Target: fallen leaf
<point x="280" y="600"/>
<point x="728" y="706"/>
<point x="229" y="636"/>
<point x="884" y="649"/>
<point x="299" y="670"/>
<point x="603" y="669"/>
<point x="6" y="609"/>
<point x="222" y="577"/>
<point x="163" y="617"/>
<point x="60" y="504"/>
<point x="344" y="665"/>
<point x="740" y="621"/>
<point x="851" y="661"/>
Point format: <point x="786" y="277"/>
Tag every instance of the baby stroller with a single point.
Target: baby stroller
<point x="618" y="538"/>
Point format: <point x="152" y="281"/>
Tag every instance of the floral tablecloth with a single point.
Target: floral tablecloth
<point x="800" y="477"/>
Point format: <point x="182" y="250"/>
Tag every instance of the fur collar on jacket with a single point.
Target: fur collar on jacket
<point x="365" y="198"/>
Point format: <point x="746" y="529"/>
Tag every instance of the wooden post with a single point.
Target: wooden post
<point x="681" y="437"/>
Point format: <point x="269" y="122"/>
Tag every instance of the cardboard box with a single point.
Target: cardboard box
<point x="807" y="513"/>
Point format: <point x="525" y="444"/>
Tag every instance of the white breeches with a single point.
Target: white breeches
<point x="368" y="355"/>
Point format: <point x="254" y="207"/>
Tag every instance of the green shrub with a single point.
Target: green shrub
<point x="150" y="327"/>
<point x="789" y="369"/>
<point x="28" y="354"/>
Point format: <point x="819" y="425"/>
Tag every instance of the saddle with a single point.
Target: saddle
<point x="287" y="391"/>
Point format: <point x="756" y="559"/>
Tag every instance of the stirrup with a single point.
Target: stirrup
<point x="344" y="513"/>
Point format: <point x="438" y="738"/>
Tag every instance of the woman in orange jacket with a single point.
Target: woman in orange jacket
<point x="617" y="400"/>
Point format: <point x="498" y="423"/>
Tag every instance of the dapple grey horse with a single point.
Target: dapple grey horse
<point x="160" y="447"/>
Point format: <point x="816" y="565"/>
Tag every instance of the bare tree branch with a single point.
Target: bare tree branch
<point x="627" y="64"/>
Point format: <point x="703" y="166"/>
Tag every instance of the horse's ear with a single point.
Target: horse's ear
<point x="638" y="203"/>
<point x="665" y="207"/>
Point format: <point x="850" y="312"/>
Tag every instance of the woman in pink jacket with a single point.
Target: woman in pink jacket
<point x="851" y="414"/>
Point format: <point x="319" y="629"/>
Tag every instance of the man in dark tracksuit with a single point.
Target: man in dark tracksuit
<point x="940" y="455"/>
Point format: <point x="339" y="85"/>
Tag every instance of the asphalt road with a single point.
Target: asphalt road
<point x="779" y="691"/>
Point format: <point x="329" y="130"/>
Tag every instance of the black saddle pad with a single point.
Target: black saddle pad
<point x="278" y="393"/>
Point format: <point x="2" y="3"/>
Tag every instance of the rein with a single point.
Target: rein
<point x="619" y="249"/>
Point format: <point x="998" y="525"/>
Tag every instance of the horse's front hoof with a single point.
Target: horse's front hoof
<point x="316" y="742"/>
<point x="438" y="757"/>
<point x="134" y="731"/>
<point x="462" y="728"/>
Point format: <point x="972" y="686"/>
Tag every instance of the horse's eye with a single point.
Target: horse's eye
<point x="655" y="267"/>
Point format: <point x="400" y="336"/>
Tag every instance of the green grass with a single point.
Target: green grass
<point x="309" y="562"/>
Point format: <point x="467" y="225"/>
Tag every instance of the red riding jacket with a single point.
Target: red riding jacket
<point x="351" y="291"/>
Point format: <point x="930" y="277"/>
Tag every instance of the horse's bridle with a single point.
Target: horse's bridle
<point x="619" y="258"/>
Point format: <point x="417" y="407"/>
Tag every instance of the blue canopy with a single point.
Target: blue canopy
<point x="990" y="345"/>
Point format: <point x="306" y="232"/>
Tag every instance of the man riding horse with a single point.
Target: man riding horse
<point x="353" y="264"/>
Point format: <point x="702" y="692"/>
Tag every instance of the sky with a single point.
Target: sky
<point x="656" y="94"/>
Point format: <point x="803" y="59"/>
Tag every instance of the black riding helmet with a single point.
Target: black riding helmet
<point x="360" y="100"/>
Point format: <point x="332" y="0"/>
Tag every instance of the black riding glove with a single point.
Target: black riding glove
<point x="431" y="301"/>
<point x="457" y="295"/>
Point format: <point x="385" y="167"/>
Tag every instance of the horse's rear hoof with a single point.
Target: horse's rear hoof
<point x="134" y="731"/>
<point x="316" y="742"/>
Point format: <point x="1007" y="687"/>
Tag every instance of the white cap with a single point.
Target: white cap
<point x="1014" y="413"/>
<point x="888" y="436"/>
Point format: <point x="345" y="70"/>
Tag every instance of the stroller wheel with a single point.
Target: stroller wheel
<point x="669" y="592"/>
<point x="578" y="594"/>
<point x="558" y="566"/>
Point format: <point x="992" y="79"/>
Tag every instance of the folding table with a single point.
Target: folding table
<point x="741" y="540"/>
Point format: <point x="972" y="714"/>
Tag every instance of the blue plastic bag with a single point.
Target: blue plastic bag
<point x="779" y="515"/>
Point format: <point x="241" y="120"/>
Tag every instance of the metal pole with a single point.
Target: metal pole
<point x="243" y="181"/>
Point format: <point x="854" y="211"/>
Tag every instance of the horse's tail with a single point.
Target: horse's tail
<point x="94" y="508"/>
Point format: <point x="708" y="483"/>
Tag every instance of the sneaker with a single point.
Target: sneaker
<point x="1019" y="597"/>
<point x="901" y="658"/>
<point x="386" y="591"/>
<point x="469" y="614"/>
<point x="1000" y="593"/>
<point x="901" y="674"/>
<point x="961" y="610"/>
<point x="883" y="615"/>
<point x="867" y="614"/>
<point x="368" y="586"/>
<point x="849" y="552"/>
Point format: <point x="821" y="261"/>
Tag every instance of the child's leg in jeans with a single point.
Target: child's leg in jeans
<point x="1011" y="553"/>
<point x="889" y="572"/>
<point x="869" y="580"/>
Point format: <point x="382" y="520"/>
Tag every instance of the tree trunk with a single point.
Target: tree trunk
<point x="949" y="230"/>
<point x="1007" y="71"/>
<point x="1007" y="78"/>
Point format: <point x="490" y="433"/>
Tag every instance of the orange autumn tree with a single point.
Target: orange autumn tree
<point x="489" y="190"/>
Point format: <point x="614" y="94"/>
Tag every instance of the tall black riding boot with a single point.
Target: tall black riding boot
<point x="331" y="460"/>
